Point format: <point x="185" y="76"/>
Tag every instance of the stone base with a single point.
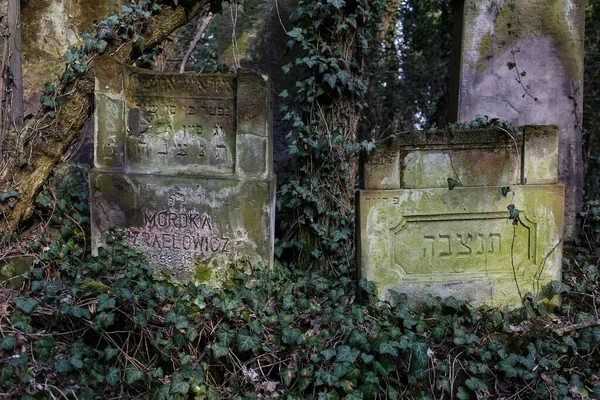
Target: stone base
<point x="461" y="243"/>
<point x="191" y="229"/>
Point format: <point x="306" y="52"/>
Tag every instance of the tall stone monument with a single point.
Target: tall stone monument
<point x="417" y="236"/>
<point x="522" y="61"/>
<point x="183" y="165"/>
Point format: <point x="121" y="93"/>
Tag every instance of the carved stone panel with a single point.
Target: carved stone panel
<point x="416" y="235"/>
<point x="191" y="229"/>
<point x="460" y="242"/>
<point x="175" y="122"/>
<point x="179" y="175"/>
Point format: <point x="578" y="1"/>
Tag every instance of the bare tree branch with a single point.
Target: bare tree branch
<point x="49" y="139"/>
<point x="202" y="25"/>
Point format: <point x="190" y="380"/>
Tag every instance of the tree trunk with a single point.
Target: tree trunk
<point x="35" y="150"/>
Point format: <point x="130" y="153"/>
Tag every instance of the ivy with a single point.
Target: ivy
<point x="316" y="202"/>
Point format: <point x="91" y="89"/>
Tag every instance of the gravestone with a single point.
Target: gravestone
<point x="522" y="61"/>
<point x="183" y="166"/>
<point x="418" y="237"/>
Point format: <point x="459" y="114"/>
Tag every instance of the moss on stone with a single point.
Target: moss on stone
<point x="521" y="18"/>
<point x="202" y="272"/>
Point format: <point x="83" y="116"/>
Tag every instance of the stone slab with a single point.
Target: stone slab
<point x="184" y="168"/>
<point x="170" y="123"/>
<point x="460" y="242"/>
<point x="480" y="157"/>
<point x="522" y="61"/>
<point x="191" y="229"/>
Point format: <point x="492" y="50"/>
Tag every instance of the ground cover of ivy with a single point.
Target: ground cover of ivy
<point x="83" y="327"/>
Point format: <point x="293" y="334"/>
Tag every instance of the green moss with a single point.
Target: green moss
<point x="13" y="272"/>
<point x="202" y="272"/>
<point x="485" y="46"/>
<point x="522" y="18"/>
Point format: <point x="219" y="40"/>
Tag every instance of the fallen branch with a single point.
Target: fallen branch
<point x="46" y="148"/>
<point x="576" y="327"/>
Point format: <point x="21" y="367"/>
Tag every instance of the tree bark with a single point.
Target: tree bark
<point x="16" y="94"/>
<point x="41" y="145"/>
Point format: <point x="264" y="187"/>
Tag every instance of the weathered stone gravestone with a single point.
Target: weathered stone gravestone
<point x="522" y="61"/>
<point x="418" y="237"/>
<point x="183" y="165"/>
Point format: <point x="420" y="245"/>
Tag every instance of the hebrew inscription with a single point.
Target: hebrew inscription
<point x="451" y="244"/>
<point x="177" y="121"/>
<point x="461" y="245"/>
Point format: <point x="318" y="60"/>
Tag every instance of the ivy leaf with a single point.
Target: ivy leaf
<point x="419" y="362"/>
<point x="476" y="384"/>
<point x="296" y="33"/>
<point x="27" y="306"/>
<point x="337" y="3"/>
<point x="387" y="348"/>
<point x="104" y="320"/>
<point x="462" y="393"/>
<point x="113" y="376"/>
<point x="358" y="338"/>
<point x="452" y="183"/>
<point x="291" y="336"/>
<point x="246" y="341"/>
<point x="331" y="79"/>
<point x="225" y="336"/>
<point x="48" y="89"/>
<point x="367" y="358"/>
<point x="179" y="386"/>
<point x="505" y="190"/>
<point x="8" y="343"/>
<point x="11" y="192"/>
<point x="219" y="350"/>
<point x="513" y="213"/>
<point x="340" y="369"/>
<point x="368" y="146"/>
<point x="346" y="354"/>
<point x="328" y="353"/>
<point x="110" y="352"/>
<point x="559" y="287"/>
<point x="105" y="302"/>
<point x="63" y="366"/>
<point x="133" y="375"/>
<point x="47" y="101"/>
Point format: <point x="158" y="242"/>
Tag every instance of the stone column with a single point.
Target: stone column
<point x="522" y="61"/>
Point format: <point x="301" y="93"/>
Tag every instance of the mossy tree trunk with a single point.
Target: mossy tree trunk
<point x="31" y="153"/>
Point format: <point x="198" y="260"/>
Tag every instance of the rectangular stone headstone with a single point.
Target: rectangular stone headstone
<point x="183" y="165"/>
<point x="416" y="236"/>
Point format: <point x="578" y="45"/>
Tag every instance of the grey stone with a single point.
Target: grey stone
<point x="184" y="169"/>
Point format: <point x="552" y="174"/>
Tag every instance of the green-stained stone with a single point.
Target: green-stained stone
<point x="415" y="235"/>
<point x="13" y="271"/>
<point x="460" y="242"/>
<point x="191" y="228"/>
<point x="475" y="157"/>
<point x="194" y="188"/>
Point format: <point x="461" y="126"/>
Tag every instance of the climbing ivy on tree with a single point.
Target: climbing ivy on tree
<point x="317" y="201"/>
